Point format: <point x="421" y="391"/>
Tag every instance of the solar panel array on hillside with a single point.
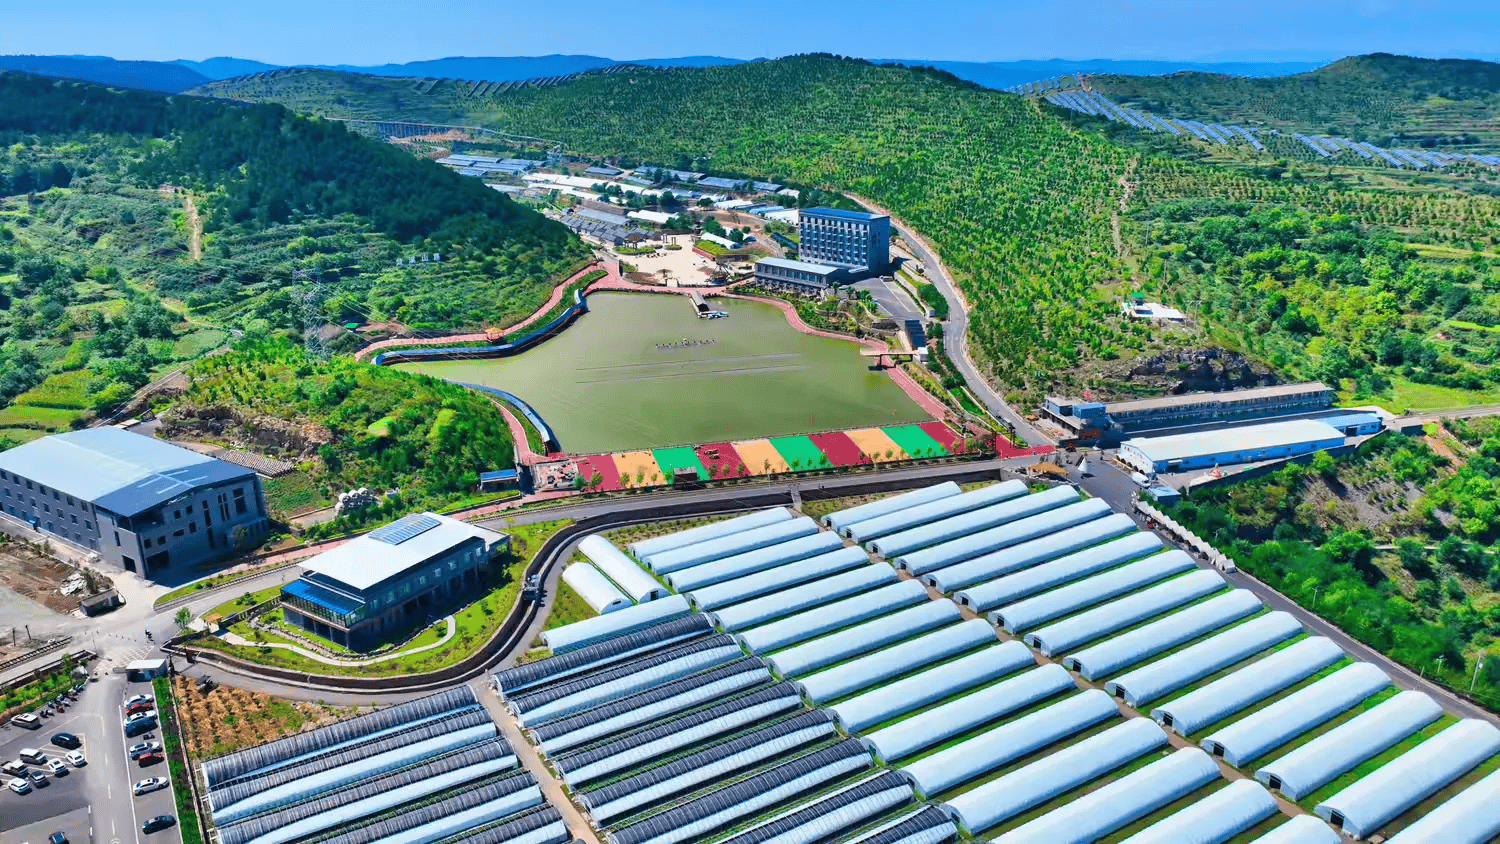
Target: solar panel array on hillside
<point x="1002" y="738"/>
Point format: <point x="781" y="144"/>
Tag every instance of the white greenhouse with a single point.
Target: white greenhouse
<point x="776" y="579"/>
<point x="967" y="672"/>
<point x="1006" y="534"/>
<point x="750" y="562"/>
<point x="677" y="559"/>
<point x="1051" y="776"/>
<point x="625" y="572"/>
<point x="691" y="536"/>
<point x="590" y="630"/>
<point x="804" y="596"/>
<point x="863" y="638"/>
<point x="1195" y="662"/>
<point x="897" y="544"/>
<point x="1216" y="818"/>
<point x="843" y="518"/>
<point x="932" y="511"/>
<point x="1469" y="818"/>
<point x="1028" y="613"/>
<point x="1087" y="626"/>
<point x="595" y="589"/>
<point x="1303" y="829"/>
<point x="1234" y="692"/>
<point x="1006" y="587"/>
<point x="1310" y="766"/>
<point x="1275" y="725"/>
<point x="805" y="625"/>
<point x="896" y="660"/>
<point x="1146" y="641"/>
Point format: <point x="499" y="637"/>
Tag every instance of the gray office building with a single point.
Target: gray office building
<point x="852" y="240"/>
<point x="143" y="504"/>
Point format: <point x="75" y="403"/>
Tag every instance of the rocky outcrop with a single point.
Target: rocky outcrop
<point x="1194" y="370"/>
<point x="298" y="440"/>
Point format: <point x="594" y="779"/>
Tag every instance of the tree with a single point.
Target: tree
<point x="1324" y="464"/>
<point x="1413" y="556"/>
<point x="183" y="616"/>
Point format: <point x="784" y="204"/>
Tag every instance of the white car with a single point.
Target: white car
<point x="138" y="699"/>
<point x="139" y="716"/>
<point x="19" y="786"/>
<point x="57" y="767"/>
<point x="75" y="758"/>
<point x="148" y="785"/>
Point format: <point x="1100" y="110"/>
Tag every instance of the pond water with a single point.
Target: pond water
<point x="642" y="371"/>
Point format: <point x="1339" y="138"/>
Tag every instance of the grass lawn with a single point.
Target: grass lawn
<point x="245" y="601"/>
<point x="40" y="418"/>
<point x="567" y="607"/>
<point x="799" y="452"/>
<point x="914" y="441"/>
<point x="212" y="582"/>
<point x="671" y="459"/>
<point x="1409" y="395"/>
<point x="194" y="344"/>
<point x="292" y="494"/>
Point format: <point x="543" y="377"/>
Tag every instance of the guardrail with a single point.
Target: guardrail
<point x="78" y="657"/>
<point x="35" y="652"/>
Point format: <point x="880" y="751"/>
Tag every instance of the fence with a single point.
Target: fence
<point x="1187" y="537"/>
<point x="78" y="658"/>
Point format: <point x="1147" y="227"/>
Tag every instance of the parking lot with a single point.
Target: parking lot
<point x="92" y="803"/>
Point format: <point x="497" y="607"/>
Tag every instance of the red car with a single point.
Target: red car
<point x="141" y="706"/>
<point x="149" y="759"/>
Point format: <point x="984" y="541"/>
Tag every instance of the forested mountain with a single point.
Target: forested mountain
<point x="137" y="230"/>
<point x="1001" y="75"/>
<point x="167" y="77"/>
<point x="1378" y="286"/>
<point x="1378" y="98"/>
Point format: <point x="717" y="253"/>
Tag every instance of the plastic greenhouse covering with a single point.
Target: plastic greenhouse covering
<point x="922" y="514"/>
<point x="449" y="816"/>
<point x="1146" y="641"/>
<point x="688" y="556"/>
<point x="553" y="668"/>
<point x="862" y="638"/>
<point x="1037" y="609"/>
<point x="1275" y="725"/>
<point x="691" y="821"/>
<point x="751" y="562"/>
<point x="1195" y="662"/>
<point x="544" y="825"/>
<point x="843" y="518"/>
<point x="555" y="691"/>
<point x="708" y="766"/>
<point x="1410" y="778"/>
<point x="798" y="598"/>
<point x="631" y="750"/>
<point x="637" y="709"/>
<point x="815" y="622"/>
<point x="1233" y="692"/>
<point x="925" y="826"/>
<point x="1119" y="803"/>
<point x="1004" y="744"/>
<point x="896" y="660"/>
<point x="1001" y="799"/>
<point x="595" y="589"/>
<point x="910" y="735"/>
<point x="292" y="785"/>
<point x="1303" y="829"/>
<point x="993" y="535"/>
<point x="650" y="678"/>
<point x="691" y="536"/>
<point x="844" y="808"/>
<point x="1469" y="818"/>
<point x="1004" y="576"/>
<point x="930" y="686"/>
<point x="625" y="572"/>
<point x="776" y="579"/>
<point x="323" y="739"/>
<point x="590" y="630"/>
<point x="1216" y="818"/>
<point x="1309" y="767"/>
<point x="374" y="795"/>
<point x="963" y="524"/>
<point x="1087" y="626"/>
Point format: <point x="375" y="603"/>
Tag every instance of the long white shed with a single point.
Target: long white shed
<point x="629" y="576"/>
<point x="880" y="507"/>
<point x="967" y="672"/>
<point x="595" y="589"/>
<point x="921" y="514"/>
<point x="714" y="530"/>
<point x="1146" y="641"/>
<point x="1118" y="614"/>
<point x="862" y="638"/>
<point x="1006" y="587"/>
<point x="983" y="519"/>
<point x="1218" y="817"/>
<point x="676" y="559"/>
<point x="1469" y="818"/>
<point x="1233" y="692"/>
<point x="750" y="562"/>
<point x="823" y="619"/>
<point x="801" y="597"/>
<point x="1275" y="725"/>
<point x="1166" y="675"/>
<point x="776" y="579"/>
<point x="1028" y="613"/>
<point x="1005" y="534"/>
<point x="896" y="660"/>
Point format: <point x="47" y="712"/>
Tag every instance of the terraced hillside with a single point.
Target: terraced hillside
<point x="1376" y="98"/>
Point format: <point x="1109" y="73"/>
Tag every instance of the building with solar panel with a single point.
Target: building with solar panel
<point x="390" y="579"/>
<point x="142" y="504"/>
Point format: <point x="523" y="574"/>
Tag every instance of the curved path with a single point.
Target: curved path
<point x="955" y="328"/>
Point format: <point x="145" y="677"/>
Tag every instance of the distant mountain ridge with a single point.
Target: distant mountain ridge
<point x="160" y="77"/>
<point x="1002" y="75"/>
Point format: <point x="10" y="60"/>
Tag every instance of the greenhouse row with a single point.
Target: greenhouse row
<point x="425" y="770"/>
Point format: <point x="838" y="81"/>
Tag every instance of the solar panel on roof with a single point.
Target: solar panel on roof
<point x="403" y="529"/>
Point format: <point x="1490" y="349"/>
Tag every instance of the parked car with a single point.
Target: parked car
<point x="136" y="728"/>
<point x="38" y="779"/>
<point x="139" y="707"/>
<point x="137" y="750"/>
<point x="19" y="786"/>
<point x="148" y="759"/>
<point x="57" y="838"/>
<point x="67" y="740"/>
<point x="58" y="767"/>
<point x="29" y="720"/>
<point x="148" y="785"/>
<point x="75" y="758"/>
<point x="131" y="701"/>
<point x="158" y="823"/>
<point x="32" y="756"/>
<point x="140" y="716"/>
<point x="13" y="768"/>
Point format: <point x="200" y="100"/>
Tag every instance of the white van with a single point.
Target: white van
<point x="27" y="720"/>
<point x="33" y="756"/>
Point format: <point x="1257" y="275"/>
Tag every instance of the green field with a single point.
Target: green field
<point x="914" y="441"/>
<point x="798" y="452"/>
<point x="671" y="459"/>
<point x="614" y="381"/>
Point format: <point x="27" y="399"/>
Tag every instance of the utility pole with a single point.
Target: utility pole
<point x="310" y="298"/>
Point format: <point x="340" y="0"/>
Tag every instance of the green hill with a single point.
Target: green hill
<point x="137" y="230"/>
<point x="1377" y="284"/>
<point x="1383" y="99"/>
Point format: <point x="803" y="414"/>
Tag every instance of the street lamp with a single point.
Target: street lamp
<point x="1478" y="664"/>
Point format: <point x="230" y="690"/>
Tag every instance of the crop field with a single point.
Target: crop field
<point x="623" y="378"/>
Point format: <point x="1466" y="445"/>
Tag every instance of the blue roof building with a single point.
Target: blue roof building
<point x="853" y="240"/>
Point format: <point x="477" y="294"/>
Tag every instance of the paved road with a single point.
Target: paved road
<point x="891" y="299"/>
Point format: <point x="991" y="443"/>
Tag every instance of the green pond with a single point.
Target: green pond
<point x="642" y="371"/>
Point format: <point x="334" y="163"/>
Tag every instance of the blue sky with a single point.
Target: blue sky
<point x="380" y="31"/>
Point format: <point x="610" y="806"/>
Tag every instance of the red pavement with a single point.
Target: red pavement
<point x="942" y="433"/>
<point x="604" y="464"/>
<point x="728" y="461"/>
<point x="1004" y="448"/>
<point x="839" y="449"/>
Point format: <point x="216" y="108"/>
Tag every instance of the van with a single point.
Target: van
<point x="13" y="768"/>
<point x="33" y="756"/>
<point x="29" y="720"/>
